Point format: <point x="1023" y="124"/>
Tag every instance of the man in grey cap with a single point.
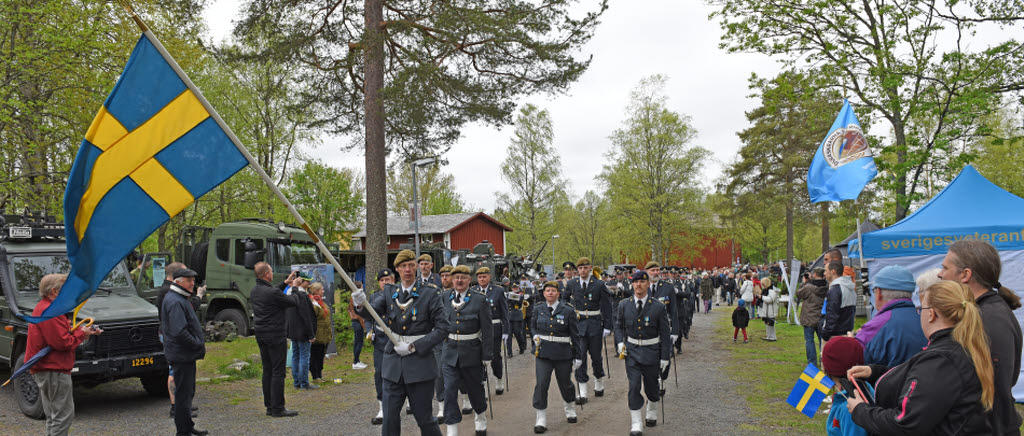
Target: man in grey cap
<point x="894" y="334"/>
<point x="183" y="346"/>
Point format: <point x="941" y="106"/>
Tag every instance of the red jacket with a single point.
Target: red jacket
<point x="53" y="332"/>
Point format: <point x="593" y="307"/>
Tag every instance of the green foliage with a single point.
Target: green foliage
<point x="343" y="333"/>
<point x="328" y="198"/>
<point x="899" y="63"/>
<point x="436" y="191"/>
<point x="533" y="170"/>
<point x="653" y="180"/>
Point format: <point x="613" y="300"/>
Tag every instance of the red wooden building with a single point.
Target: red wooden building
<point x="456" y="231"/>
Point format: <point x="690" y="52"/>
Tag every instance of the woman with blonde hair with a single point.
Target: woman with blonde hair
<point x="324" y="334"/>
<point x="943" y="390"/>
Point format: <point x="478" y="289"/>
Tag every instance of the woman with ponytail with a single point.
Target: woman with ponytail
<point x="947" y="388"/>
<point x="976" y="264"/>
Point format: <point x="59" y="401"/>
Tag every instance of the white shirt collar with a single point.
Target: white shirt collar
<point x="552" y="306"/>
<point x="409" y="289"/>
<point x="644" y="300"/>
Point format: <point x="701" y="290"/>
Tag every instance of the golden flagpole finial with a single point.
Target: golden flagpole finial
<point x="127" y="5"/>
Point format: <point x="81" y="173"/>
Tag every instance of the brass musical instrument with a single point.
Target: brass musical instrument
<point x="526" y="304"/>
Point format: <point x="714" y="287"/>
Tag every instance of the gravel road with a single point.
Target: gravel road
<point x="701" y="405"/>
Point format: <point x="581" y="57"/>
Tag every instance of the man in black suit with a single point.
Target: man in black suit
<point x="467" y="351"/>
<point x="593" y="305"/>
<point x="412" y="310"/>
<point x="268" y="320"/>
<point x="642" y="334"/>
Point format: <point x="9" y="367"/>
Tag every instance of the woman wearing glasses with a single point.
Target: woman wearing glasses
<point x="943" y="390"/>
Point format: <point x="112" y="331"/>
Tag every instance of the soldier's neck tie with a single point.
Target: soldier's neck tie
<point x="551" y="310"/>
<point x="639" y="306"/>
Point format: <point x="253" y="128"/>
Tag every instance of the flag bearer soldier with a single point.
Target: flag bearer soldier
<point x="556" y="334"/>
<point x="379" y="340"/>
<point x="426" y="271"/>
<point x="446" y="285"/>
<point x="662" y="291"/>
<point x="642" y="333"/>
<point x="499" y="317"/>
<point x="414" y="312"/>
<point x="516" y="298"/>
<point x="593" y="306"/>
<point x="466" y="352"/>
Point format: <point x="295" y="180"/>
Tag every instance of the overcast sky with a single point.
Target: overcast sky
<point x="635" y="39"/>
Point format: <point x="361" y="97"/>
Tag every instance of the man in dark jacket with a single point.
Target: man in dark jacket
<point x="840" y="303"/>
<point x="268" y="306"/>
<point x="643" y="335"/>
<point x="467" y="351"/>
<point x="183" y="346"/>
<point x="301" y="325"/>
<point x="812" y="297"/>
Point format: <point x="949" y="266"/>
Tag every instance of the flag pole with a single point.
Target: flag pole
<point x="252" y="161"/>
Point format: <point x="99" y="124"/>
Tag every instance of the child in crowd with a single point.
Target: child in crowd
<point x="839" y="355"/>
<point x="740" y="320"/>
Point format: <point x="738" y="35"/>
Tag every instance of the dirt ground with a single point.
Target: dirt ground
<point x="703" y="404"/>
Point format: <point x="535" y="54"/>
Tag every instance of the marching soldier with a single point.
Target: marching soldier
<point x="499" y="317"/>
<point x="379" y="340"/>
<point x="413" y="311"/>
<point x="685" y="310"/>
<point x="426" y="274"/>
<point x="642" y="334"/>
<point x="593" y="307"/>
<point x="446" y="285"/>
<point x="556" y="335"/>
<point x="516" y="316"/>
<point x="568" y="270"/>
<point x="466" y="352"/>
<point x="662" y="291"/>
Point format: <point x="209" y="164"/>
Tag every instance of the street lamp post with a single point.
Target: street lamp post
<point x="553" y="237"/>
<point x="416" y="201"/>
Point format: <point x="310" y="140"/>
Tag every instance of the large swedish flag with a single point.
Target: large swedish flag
<point x="152" y="149"/>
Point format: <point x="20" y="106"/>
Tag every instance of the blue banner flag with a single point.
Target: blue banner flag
<point x="811" y="389"/>
<point x="152" y="149"/>
<point x="843" y="164"/>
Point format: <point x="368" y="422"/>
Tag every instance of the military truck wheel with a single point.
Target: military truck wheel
<point x="236" y="316"/>
<point x="155" y="384"/>
<point x="198" y="261"/>
<point x="28" y="392"/>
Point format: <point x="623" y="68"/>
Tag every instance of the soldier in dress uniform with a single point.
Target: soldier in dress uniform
<point x="556" y="335"/>
<point x="568" y="271"/>
<point x="413" y="311"/>
<point x="593" y="306"/>
<point x="662" y="291"/>
<point x="467" y="351"/>
<point x="426" y="271"/>
<point x="516" y="299"/>
<point x="642" y="334"/>
<point x="379" y="340"/>
<point x="446" y="285"/>
<point x="685" y="308"/>
<point x="499" y="317"/>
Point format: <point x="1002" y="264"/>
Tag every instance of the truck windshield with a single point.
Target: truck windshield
<point x="28" y="270"/>
<point x="283" y="256"/>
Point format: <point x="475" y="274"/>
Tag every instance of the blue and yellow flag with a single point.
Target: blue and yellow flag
<point x="811" y="389"/>
<point x="843" y="164"/>
<point x="152" y="149"/>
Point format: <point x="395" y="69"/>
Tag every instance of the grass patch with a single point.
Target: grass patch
<point x="221" y="354"/>
<point x="765" y="373"/>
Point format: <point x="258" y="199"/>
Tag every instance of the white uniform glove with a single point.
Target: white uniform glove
<point x="536" y="340"/>
<point x="369" y="336"/>
<point x="674" y="337"/>
<point x="606" y="333"/>
<point x="622" y="348"/>
<point x="403" y="348"/>
<point x="576" y="363"/>
<point x="664" y="364"/>
<point x="359" y="298"/>
<point x="504" y="337"/>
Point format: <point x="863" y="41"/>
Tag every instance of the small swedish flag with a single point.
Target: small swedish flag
<point x="811" y="389"/>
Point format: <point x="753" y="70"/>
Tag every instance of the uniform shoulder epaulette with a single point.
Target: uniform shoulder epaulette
<point x="477" y="291"/>
<point x="569" y="305"/>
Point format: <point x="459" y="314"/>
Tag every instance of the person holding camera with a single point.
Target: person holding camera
<point x="268" y="319"/>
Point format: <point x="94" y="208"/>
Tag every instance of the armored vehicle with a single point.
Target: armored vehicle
<point x="32" y="246"/>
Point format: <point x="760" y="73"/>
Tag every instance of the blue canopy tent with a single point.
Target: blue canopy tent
<point x="970" y="207"/>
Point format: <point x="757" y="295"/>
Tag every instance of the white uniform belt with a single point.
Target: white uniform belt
<point x="410" y="339"/>
<point x="588" y="312"/>
<point x="495" y="321"/>
<point x="551" y="338"/>
<point x="458" y="337"/>
<point x="642" y="342"/>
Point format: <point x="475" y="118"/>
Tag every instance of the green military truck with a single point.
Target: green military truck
<point x="32" y="246"/>
<point x="224" y="257"/>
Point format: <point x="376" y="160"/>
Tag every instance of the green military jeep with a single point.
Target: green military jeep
<point x="32" y="246"/>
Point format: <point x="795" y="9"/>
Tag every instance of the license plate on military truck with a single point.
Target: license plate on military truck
<point x="142" y="361"/>
<point x="20" y="232"/>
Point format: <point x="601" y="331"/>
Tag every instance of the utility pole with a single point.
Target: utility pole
<point x="416" y="200"/>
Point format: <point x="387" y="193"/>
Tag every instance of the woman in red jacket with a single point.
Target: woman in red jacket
<point x="53" y="372"/>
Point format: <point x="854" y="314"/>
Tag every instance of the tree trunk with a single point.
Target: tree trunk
<point x="376" y="180"/>
<point x="825" y="245"/>
<point x="902" y="199"/>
